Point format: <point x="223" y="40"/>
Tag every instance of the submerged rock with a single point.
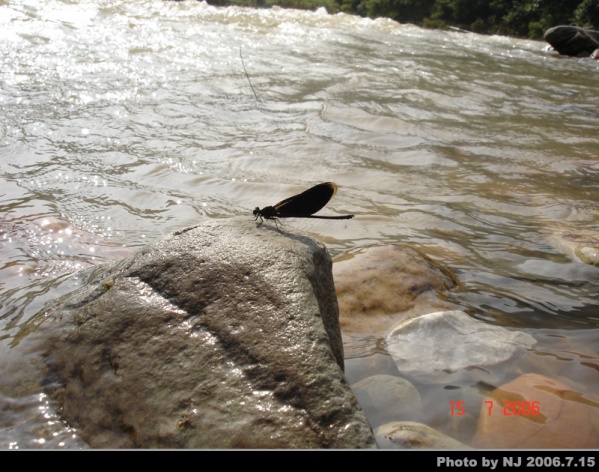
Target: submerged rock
<point x="411" y="435"/>
<point x="379" y="285"/>
<point x="534" y="411"/>
<point x="452" y="346"/>
<point x="386" y="397"/>
<point x="225" y="335"/>
<point x="580" y="245"/>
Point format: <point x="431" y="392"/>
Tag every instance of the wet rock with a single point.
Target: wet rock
<point x="572" y="41"/>
<point x="224" y="335"/>
<point x="410" y="435"/>
<point x="534" y="411"/>
<point x="379" y="285"/>
<point x="450" y="346"/>
<point x="385" y="398"/>
<point x="580" y="245"/>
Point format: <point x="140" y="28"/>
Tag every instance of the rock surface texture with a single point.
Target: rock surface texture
<point x="225" y="335"/>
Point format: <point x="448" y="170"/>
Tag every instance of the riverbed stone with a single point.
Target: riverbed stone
<point x="580" y="244"/>
<point x="381" y="284"/>
<point x="413" y="435"/>
<point x="536" y="411"/>
<point x="224" y="335"/>
<point x="450" y="346"/>
<point x="386" y="397"/>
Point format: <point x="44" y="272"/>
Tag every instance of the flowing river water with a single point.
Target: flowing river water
<point x="123" y="120"/>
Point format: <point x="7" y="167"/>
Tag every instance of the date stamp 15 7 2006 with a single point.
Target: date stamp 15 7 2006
<point x="506" y="408"/>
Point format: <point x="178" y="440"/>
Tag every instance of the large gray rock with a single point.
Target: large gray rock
<point x="572" y="41"/>
<point x="225" y="335"/>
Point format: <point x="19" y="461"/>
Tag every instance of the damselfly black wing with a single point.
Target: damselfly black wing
<point x="302" y="205"/>
<point x="306" y="203"/>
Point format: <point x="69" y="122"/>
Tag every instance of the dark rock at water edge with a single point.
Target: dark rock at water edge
<point x="225" y="335"/>
<point x="572" y="41"/>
